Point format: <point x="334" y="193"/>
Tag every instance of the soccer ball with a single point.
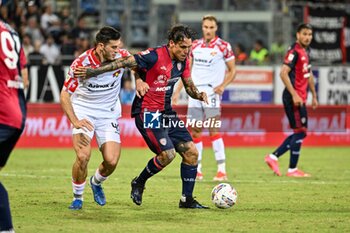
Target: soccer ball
<point x="224" y="196"/>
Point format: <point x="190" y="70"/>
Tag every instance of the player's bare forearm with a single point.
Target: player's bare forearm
<point x="312" y="85"/>
<point x="230" y="74"/>
<point x="190" y="88"/>
<point x="114" y="65"/>
<point x="67" y="106"/>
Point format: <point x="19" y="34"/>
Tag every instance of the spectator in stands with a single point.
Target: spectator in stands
<point x="48" y="18"/>
<point x="66" y="17"/>
<point x="50" y="51"/>
<point x="82" y="44"/>
<point x="241" y="56"/>
<point x="34" y="30"/>
<point x="35" y="57"/>
<point x="127" y="93"/>
<point x="278" y="48"/>
<point x="259" y="55"/>
<point x="80" y="30"/>
<point x="27" y="44"/>
<point x="32" y="11"/>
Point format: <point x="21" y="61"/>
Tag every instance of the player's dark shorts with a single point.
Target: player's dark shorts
<point x="8" y="139"/>
<point x="297" y="115"/>
<point x="163" y="138"/>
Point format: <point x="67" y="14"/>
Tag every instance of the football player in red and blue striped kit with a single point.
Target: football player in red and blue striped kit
<point x="12" y="106"/>
<point x="297" y="76"/>
<point x="159" y="69"/>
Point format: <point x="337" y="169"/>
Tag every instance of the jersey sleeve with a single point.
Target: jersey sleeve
<point x="124" y="53"/>
<point x="187" y="72"/>
<point x="146" y="59"/>
<point x="291" y="58"/>
<point x="228" y="53"/>
<point x="71" y="83"/>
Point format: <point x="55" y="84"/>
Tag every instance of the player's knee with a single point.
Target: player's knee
<point x="83" y="158"/>
<point x="166" y="157"/>
<point x="188" y="152"/>
<point x="196" y="132"/>
<point x="112" y="162"/>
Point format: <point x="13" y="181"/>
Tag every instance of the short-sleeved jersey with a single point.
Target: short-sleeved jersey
<point x="209" y="61"/>
<point x="95" y="96"/>
<point x="12" y="61"/>
<point x="160" y="72"/>
<point x="297" y="58"/>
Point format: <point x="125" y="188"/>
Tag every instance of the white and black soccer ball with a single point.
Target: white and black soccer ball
<point x="224" y="196"/>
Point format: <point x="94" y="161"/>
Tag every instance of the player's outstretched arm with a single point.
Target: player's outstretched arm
<point x="87" y="72"/>
<point x="192" y="90"/>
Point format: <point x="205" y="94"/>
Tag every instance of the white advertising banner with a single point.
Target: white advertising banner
<point x="334" y="85"/>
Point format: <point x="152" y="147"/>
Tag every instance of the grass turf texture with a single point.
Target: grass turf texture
<point x="38" y="182"/>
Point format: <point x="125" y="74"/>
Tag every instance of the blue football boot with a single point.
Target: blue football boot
<point x="99" y="195"/>
<point x="76" y="204"/>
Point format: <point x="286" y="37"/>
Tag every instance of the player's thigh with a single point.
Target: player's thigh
<point x="107" y="130"/>
<point x="82" y="145"/>
<point x="297" y="115"/>
<point x="157" y="140"/>
<point x="8" y="139"/>
<point x="181" y="138"/>
<point x="111" y="152"/>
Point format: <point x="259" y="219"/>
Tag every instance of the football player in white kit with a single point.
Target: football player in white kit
<point x="213" y="68"/>
<point x="93" y="107"/>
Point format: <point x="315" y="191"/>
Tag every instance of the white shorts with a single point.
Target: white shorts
<point x="199" y="110"/>
<point x="106" y="129"/>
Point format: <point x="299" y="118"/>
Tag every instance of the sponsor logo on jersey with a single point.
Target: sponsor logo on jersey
<point x="166" y="88"/>
<point x="101" y="86"/>
<point x="161" y="79"/>
<point x="163" y="68"/>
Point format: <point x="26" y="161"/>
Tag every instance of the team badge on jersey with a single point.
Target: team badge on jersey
<point x="116" y="74"/>
<point x="290" y="57"/>
<point x="179" y="65"/>
<point x="213" y="53"/>
<point x="162" y="141"/>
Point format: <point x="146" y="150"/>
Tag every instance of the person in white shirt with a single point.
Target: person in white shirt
<point x="93" y="107"/>
<point x="213" y="68"/>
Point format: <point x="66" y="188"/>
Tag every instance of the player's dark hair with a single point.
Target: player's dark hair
<point x="105" y="34"/>
<point x="179" y="32"/>
<point x="304" y="26"/>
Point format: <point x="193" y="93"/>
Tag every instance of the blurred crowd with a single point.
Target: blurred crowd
<point x="57" y="36"/>
<point x="48" y="36"/>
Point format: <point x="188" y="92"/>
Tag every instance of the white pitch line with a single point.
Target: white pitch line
<point x="301" y="181"/>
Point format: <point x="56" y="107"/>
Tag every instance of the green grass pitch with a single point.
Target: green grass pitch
<point x="39" y="185"/>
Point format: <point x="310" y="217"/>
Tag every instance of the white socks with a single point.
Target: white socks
<point x="219" y="151"/>
<point x="78" y="190"/>
<point x="274" y="157"/>
<point x="199" y="146"/>
<point x="97" y="179"/>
